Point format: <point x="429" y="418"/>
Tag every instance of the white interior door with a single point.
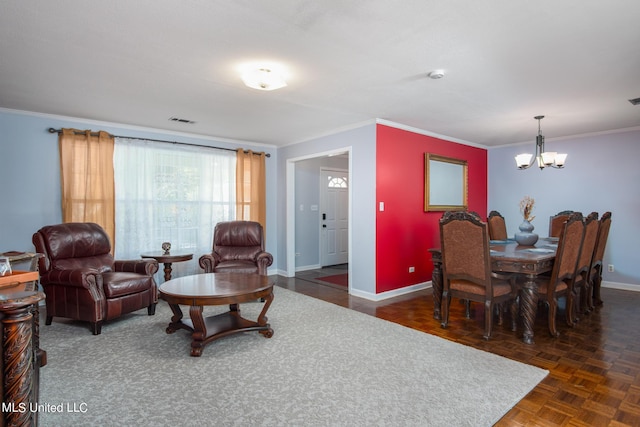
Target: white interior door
<point x="334" y="217"/>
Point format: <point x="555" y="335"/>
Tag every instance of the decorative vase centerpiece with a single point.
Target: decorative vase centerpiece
<point x="166" y="247"/>
<point x="526" y="237"/>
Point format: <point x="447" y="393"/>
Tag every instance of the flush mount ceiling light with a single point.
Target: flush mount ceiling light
<point x="263" y="77"/>
<point x="544" y="158"/>
<point x="436" y="74"/>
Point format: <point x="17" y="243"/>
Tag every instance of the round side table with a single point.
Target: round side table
<point x="167" y="259"/>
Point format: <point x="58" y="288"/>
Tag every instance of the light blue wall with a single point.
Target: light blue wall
<point x="30" y="173"/>
<point x="362" y="141"/>
<point x="601" y="174"/>
<point x="30" y="177"/>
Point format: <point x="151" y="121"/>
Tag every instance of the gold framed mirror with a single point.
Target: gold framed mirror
<point x="445" y="183"/>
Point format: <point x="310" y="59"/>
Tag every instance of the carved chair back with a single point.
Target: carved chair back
<point x="497" y="226"/>
<point x="556" y="222"/>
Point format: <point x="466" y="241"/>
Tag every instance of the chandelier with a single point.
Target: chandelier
<point x="544" y="158"/>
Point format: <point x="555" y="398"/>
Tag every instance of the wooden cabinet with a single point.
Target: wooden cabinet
<point x="21" y="356"/>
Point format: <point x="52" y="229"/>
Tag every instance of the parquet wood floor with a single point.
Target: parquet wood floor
<point x="594" y="368"/>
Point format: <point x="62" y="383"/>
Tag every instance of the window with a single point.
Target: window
<point x="337" y="182"/>
<point x="171" y="193"/>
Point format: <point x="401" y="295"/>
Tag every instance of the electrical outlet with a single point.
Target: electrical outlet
<point x="412" y="269"/>
<point x="611" y="269"/>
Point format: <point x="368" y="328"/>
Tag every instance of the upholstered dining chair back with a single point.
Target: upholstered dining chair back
<point x="591" y="227"/>
<point x="603" y="236"/>
<point x="556" y="222"/>
<point x="595" y="274"/>
<point x="581" y="278"/>
<point x="560" y="282"/>
<point x="569" y="245"/>
<point x="466" y="266"/>
<point x="238" y="246"/>
<point x="465" y="244"/>
<point x="497" y="226"/>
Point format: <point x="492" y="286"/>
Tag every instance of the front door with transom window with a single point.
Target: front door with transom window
<point x="334" y="217"/>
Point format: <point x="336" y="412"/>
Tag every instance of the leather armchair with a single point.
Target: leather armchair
<point x="82" y="281"/>
<point x="238" y="247"/>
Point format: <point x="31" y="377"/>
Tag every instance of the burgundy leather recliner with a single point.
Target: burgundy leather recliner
<point x="82" y="281"/>
<point x="238" y="247"/>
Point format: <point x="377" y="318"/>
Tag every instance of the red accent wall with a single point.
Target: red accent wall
<point x="404" y="231"/>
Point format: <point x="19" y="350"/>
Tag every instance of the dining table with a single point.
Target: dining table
<point x="507" y="256"/>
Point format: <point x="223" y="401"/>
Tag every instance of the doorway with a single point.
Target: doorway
<point x="303" y="234"/>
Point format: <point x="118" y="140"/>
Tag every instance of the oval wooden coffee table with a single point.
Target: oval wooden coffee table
<point x="207" y="289"/>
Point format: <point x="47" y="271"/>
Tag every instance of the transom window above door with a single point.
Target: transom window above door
<point x="337" y="182"/>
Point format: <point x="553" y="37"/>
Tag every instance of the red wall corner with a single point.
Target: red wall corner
<point x="404" y="232"/>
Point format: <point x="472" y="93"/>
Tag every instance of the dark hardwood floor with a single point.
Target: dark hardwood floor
<point x="594" y="368"/>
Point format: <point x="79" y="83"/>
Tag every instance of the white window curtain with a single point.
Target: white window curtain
<point x="171" y="193"/>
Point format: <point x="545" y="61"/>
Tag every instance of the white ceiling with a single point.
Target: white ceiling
<point x="142" y="62"/>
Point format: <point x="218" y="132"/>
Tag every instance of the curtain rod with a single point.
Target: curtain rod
<point x="58" y="131"/>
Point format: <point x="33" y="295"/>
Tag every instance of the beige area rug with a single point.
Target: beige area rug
<point x="324" y="366"/>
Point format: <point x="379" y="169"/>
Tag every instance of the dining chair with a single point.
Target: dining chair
<point x="466" y="267"/>
<point x="597" y="263"/>
<point x="497" y="226"/>
<point x="557" y="221"/>
<point x="559" y="283"/>
<point x="580" y="285"/>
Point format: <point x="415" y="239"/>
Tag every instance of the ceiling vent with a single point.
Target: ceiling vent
<point x="635" y="101"/>
<point x="179" y="120"/>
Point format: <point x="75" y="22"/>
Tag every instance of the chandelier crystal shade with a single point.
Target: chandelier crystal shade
<point x="543" y="158"/>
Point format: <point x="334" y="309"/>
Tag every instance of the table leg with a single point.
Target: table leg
<point x="436" y="284"/>
<point x="167" y="271"/>
<point x="176" y="319"/>
<point x="529" y="307"/>
<point x="199" y="330"/>
<point x="262" y="319"/>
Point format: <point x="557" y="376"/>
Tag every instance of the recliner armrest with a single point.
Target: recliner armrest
<point x="263" y="260"/>
<point x="208" y="262"/>
<point x="264" y="257"/>
<point x="80" y="277"/>
<point x="148" y="267"/>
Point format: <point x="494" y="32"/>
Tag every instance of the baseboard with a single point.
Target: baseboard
<point x="279" y="272"/>
<point x="276" y="271"/>
<point x="621" y="286"/>
<point x="308" y="267"/>
<point x="390" y="294"/>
